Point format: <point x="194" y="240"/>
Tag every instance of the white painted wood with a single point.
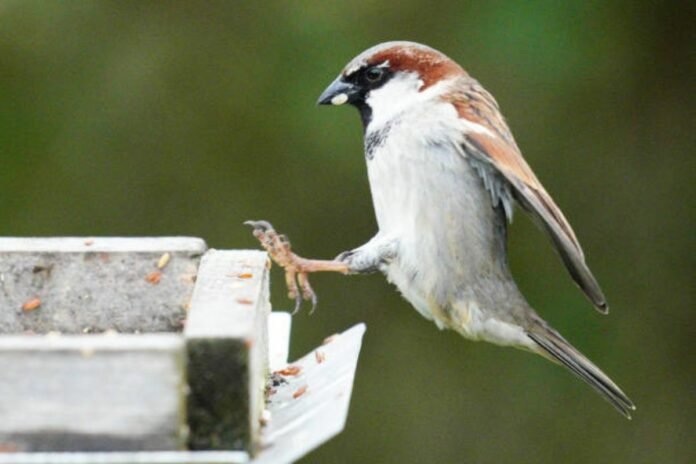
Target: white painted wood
<point x="230" y="291"/>
<point x="296" y="425"/>
<point x="92" y="392"/>
<point x="226" y="334"/>
<point x="73" y="389"/>
<point x="100" y="244"/>
<point x="300" y="424"/>
<point x="143" y="457"/>
<point x="104" y="286"/>
<point x="279" y="325"/>
<point x="125" y="392"/>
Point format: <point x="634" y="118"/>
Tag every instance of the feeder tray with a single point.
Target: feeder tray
<point x="156" y="350"/>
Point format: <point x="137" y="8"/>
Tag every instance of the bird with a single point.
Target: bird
<point x="445" y="173"/>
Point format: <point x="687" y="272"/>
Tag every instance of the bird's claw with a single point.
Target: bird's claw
<point x="259" y="225"/>
<point x="279" y="248"/>
<point x="307" y="291"/>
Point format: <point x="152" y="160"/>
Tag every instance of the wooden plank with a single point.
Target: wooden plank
<point x="227" y="343"/>
<point x="311" y="406"/>
<point x="279" y="324"/>
<point x="92" y="393"/>
<point x="295" y="425"/>
<point x="100" y="244"/>
<point x="121" y="457"/>
<point x="96" y="284"/>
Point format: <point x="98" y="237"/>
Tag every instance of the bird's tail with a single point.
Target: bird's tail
<point x="555" y="347"/>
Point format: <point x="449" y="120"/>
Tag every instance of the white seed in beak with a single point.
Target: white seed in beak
<point x="339" y="99"/>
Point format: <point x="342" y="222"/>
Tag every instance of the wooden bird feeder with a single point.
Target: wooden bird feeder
<point x="121" y="350"/>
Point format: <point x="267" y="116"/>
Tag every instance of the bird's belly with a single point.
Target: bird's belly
<point x="434" y="204"/>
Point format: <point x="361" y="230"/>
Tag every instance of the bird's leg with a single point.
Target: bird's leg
<point x="296" y="268"/>
<point x="371" y="257"/>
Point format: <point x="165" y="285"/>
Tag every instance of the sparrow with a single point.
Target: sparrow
<point x="445" y="173"/>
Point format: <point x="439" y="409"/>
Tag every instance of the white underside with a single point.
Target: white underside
<point x="432" y="204"/>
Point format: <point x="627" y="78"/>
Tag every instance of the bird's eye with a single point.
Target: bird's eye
<point x="374" y="74"/>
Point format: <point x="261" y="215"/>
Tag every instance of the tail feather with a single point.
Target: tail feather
<point x="556" y="347"/>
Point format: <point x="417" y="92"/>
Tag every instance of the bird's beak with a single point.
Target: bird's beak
<point x="338" y="93"/>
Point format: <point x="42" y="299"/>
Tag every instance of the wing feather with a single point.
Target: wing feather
<point x="495" y="146"/>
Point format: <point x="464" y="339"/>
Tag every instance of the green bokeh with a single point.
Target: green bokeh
<point x="186" y="118"/>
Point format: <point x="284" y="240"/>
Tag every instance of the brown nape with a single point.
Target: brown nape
<point x="431" y="65"/>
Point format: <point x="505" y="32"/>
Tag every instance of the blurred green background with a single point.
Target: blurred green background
<point x="186" y="118"/>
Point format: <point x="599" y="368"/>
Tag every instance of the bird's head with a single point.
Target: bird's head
<point x="388" y="77"/>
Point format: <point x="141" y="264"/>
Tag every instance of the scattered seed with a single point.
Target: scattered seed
<point x="31" y="305"/>
<point x="154" y="277"/>
<point x="265" y="417"/>
<point x="89" y="242"/>
<point x="329" y="339"/>
<point x="319" y="356"/>
<point x="248" y="343"/>
<point x="300" y="391"/>
<point x="245" y="301"/>
<point x="86" y="330"/>
<point x="245" y="275"/>
<point x="163" y="261"/>
<point x="290" y="370"/>
<point x="8" y="448"/>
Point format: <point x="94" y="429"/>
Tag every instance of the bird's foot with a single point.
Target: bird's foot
<point x="296" y="268"/>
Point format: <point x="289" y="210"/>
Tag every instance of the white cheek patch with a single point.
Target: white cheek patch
<point x="339" y="99"/>
<point x="399" y="93"/>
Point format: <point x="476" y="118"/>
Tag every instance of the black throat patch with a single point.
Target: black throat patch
<point x="365" y="113"/>
<point x="375" y="139"/>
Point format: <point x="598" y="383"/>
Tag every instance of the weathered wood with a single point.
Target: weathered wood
<point x="119" y="392"/>
<point x="295" y="424"/>
<point x="227" y="343"/>
<point x="99" y="392"/>
<point x="312" y="406"/>
<point x="93" y="285"/>
<point x="279" y="324"/>
<point x="86" y="391"/>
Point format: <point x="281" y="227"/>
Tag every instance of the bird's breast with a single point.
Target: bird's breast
<point x="427" y="195"/>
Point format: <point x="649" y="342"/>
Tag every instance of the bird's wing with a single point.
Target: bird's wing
<point x="493" y="145"/>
